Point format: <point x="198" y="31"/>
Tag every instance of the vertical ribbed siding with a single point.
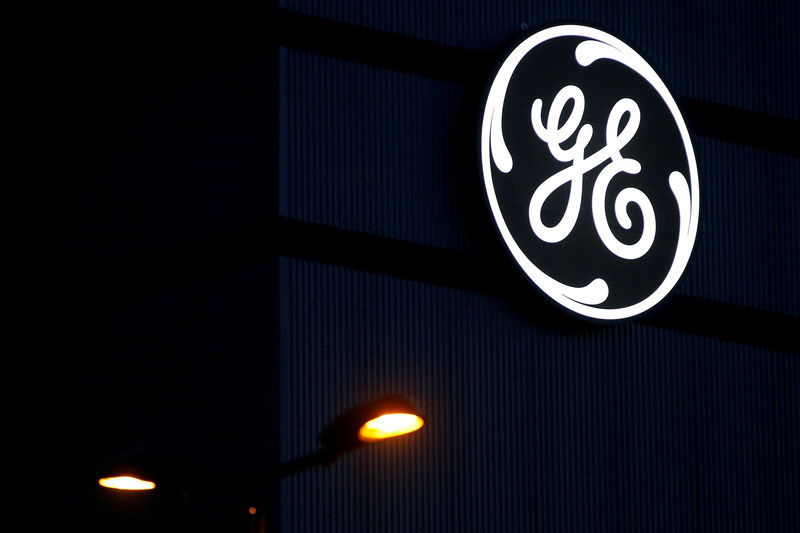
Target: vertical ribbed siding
<point x="786" y="400"/>
<point x="747" y="248"/>
<point x="728" y="52"/>
<point x="736" y="433"/>
<point x="373" y="150"/>
<point x="621" y="428"/>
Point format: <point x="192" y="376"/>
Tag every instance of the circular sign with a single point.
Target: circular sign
<point x="589" y="172"/>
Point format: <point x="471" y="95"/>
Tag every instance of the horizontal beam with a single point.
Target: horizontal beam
<point x="499" y="277"/>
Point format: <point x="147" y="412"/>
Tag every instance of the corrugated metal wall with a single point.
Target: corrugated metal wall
<point x="625" y="428"/>
<point x="372" y="150"/>
<point x="732" y="52"/>
<point x="747" y="249"/>
<point x="606" y="428"/>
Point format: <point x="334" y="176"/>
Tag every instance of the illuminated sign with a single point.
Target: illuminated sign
<point x="589" y="172"/>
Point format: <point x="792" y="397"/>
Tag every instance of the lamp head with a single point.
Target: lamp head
<point x="143" y="472"/>
<point x="126" y="483"/>
<point x="379" y="419"/>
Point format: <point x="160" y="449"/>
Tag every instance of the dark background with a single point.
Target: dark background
<point x="229" y="225"/>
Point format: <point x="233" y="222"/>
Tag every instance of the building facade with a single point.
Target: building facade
<point x="252" y="219"/>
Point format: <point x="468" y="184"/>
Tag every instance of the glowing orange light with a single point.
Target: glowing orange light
<point x="389" y="425"/>
<point x="252" y="510"/>
<point x="126" y="483"/>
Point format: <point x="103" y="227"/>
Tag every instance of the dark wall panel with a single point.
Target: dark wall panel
<point x="625" y="428"/>
<point x="726" y="52"/>
<point x="746" y="250"/>
<point x="372" y="150"/>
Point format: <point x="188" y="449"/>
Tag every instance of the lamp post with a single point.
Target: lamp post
<point x="379" y="419"/>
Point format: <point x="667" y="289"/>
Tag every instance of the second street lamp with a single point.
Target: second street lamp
<point x="370" y="422"/>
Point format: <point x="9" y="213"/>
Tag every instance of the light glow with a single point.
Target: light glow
<point x="126" y="483"/>
<point x="389" y="425"/>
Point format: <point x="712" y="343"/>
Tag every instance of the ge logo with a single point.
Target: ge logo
<point x="589" y="172"/>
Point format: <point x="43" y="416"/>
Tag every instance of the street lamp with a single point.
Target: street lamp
<point x="367" y="423"/>
<point x="147" y="471"/>
<point x="126" y="483"/>
<point x="379" y="419"/>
